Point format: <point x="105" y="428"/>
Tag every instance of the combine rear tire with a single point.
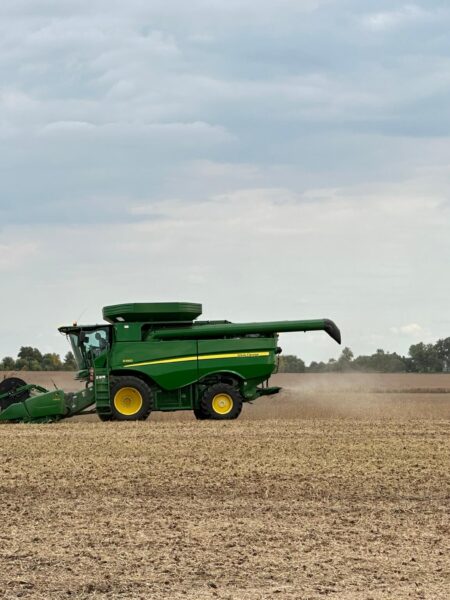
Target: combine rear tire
<point x="221" y="402"/>
<point x="131" y="399"/>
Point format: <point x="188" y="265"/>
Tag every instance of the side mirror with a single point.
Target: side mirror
<point x="82" y="337"/>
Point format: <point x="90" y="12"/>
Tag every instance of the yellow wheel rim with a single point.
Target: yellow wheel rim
<point x="222" y="404"/>
<point x="128" y="401"/>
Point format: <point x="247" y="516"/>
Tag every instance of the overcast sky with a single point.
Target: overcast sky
<point x="280" y="159"/>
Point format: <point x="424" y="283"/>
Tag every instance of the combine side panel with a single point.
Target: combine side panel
<point x="171" y="365"/>
<point x="249" y="358"/>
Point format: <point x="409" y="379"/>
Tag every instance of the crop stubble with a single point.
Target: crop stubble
<point x="343" y="504"/>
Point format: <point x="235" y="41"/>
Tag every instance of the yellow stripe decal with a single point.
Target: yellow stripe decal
<point x="166" y="361"/>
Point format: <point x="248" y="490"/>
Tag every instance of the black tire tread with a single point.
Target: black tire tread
<point x="104" y="417"/>
<point x="224" y="388"/>
<point x="130" y="381"/>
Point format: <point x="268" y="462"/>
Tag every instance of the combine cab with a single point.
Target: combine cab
<point x="157" y="356"/>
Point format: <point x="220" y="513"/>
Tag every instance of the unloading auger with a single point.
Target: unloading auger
<point x="157" y="356"/>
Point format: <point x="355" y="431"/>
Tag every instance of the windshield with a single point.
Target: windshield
<point x="87" y="345"/>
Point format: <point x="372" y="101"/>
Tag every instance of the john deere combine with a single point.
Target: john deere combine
<point x="157" y="356"/>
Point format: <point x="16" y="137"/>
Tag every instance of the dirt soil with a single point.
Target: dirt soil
<point x="315" y="493"/>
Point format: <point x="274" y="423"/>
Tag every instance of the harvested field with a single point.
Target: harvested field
<point x="315" y="493"/>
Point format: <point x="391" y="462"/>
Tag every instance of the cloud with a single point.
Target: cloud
<point x="411" y="330"/>
<point x="181" y="130"/>
<point x="391" y="19"/>
<point x="16" y="255"/>
<point x="67" y="126"/>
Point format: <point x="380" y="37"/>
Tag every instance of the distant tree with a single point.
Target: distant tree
<point x="424" y="358"/>
<point x="322" y="367"/>
<point x="51" y="362"/>
<point x="29" y="359"/>
<point x="27" y="353"/>
<point x="442" y="349"/>
<point x="317" y="367"/>
<point x="291" y="364"/>
<point x="381" y="362"/>
<point x="69" y="362"/>
<point x="331" y="365"/>
<point x="8" y="364"/>
<point x="22" y="365"/>
<point x="344" y="362"/>
<point x="34" y="365"/>
<point x="347" y="354"/>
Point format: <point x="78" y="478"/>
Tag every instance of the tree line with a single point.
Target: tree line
<point x="421" y="358"/>
<point x="31" y="359"/>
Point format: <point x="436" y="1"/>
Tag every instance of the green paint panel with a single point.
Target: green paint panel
<point x="249" y="358"/>
<point x="43" y="406"/>
<point x="15" y="412"/>
<point x="180" y="399"/>
<point x="168" y="375"/>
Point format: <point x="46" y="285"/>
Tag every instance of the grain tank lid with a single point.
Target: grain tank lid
<point x="152" y="312"/>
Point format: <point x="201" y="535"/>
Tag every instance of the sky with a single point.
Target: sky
<point x="272" y="160"/>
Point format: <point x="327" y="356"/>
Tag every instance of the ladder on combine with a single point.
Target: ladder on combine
<point x="102" y="397"/>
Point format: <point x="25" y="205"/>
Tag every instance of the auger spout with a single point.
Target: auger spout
<point x="229" y="330"/>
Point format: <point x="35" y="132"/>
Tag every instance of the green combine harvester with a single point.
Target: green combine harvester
<point x="157" y="356"/>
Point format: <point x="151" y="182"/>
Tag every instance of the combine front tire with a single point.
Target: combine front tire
<point x="104" y="417"/>
<point x="221" y="402"/>
<point x="131" y="399"/>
